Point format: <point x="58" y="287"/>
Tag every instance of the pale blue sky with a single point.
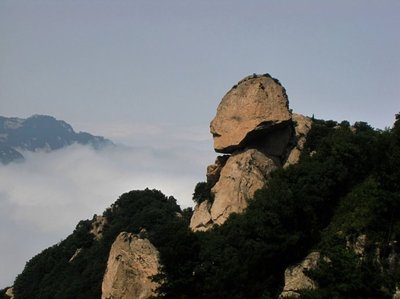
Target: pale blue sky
<point x="95" y="61"/>
<point x="150" y="74"/>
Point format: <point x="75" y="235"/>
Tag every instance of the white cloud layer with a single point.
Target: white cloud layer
<point x="43" y="198"/>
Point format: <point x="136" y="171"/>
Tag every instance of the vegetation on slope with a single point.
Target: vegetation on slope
<point x="51" y="275"/>
<point x="347" y="184"/>
<point x="3" y="293"/>
<point x="246" y="257"/>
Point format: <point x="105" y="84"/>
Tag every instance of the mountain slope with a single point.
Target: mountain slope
<point x="62" y="271"/>
<point x="337" y="200"/>
<point x="345" y="184"/>
<point x="39" y="132"/>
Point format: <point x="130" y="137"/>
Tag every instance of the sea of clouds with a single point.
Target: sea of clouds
<point x="43" y="198"/>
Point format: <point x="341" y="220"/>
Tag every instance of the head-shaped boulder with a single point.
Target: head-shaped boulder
<point x="253" y="106"/>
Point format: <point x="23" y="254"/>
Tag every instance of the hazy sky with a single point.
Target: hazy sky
<point x="150" y="74"/>
<point x="95" y="62"/>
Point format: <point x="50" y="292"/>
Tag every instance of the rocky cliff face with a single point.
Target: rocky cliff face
<point x="131" y="263"/>
<point x="255" y="126"/>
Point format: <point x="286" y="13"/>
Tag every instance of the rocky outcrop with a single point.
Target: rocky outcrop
<point x="255" y="104"/>
<point x="10" y="293"/>
<point x="201" y="219"/>
<point x="244" y="173"/>
<point x="131" y="264"/>
<point x="214" y="170"/>
<point x="296" y="279"/>
<point x="255" y="127"/>
<point x="98" y="224"/>
<point x="302" y="125"/>
<point x="96" y="230"/>
<point x="357" y="245"/>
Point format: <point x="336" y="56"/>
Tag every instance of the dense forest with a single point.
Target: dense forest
<point x="346" y="186"/>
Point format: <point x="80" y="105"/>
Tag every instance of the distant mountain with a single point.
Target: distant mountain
<point x="39" y="132"/>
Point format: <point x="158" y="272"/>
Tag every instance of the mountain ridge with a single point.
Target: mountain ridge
<point x="40" y="132"/>
<point x="322" y="223"/>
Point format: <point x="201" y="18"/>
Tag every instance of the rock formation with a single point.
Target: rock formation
<point x="257" y="130"/>
<point x="98" y="223"/>
<point x="357" y="245"/>
<point x="296" y="279"/>
<point x="243" y="174"/>
<point x="131" y="264"/>
<point x="201" y="219"/>
<point x="10" y="293"/>
<point x="302" y="125"/>
<point x="255" y="104"/>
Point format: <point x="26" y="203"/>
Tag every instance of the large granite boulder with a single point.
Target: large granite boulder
<point x="252" y="107"/>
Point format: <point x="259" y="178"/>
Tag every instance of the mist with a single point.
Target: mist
<point x="43" y="198"/>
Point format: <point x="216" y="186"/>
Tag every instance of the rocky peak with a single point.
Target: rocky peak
<point x="131" y="264"/>
<point x="40" y="133"/>
<point x="256" y="129"/>
<point x="250" y="109"/>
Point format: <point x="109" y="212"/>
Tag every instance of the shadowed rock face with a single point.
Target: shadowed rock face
<point x="131" y="263"/>
<point x="255" y="126"/>
<point x="256" y="104"/>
